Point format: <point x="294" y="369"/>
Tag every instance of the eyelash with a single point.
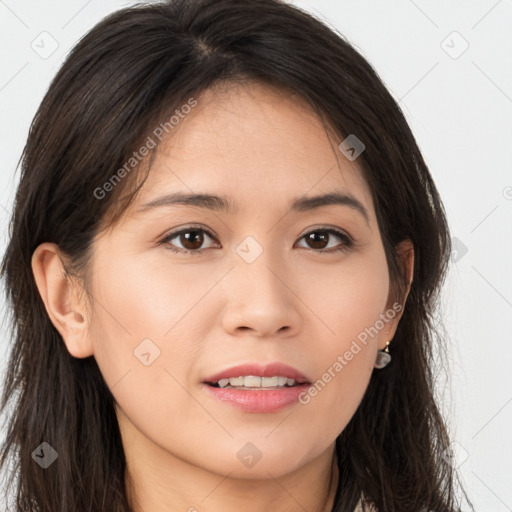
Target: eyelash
<point x="346" y="246"/>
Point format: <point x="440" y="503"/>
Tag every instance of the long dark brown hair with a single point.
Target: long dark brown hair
<point x="130" y="72"/>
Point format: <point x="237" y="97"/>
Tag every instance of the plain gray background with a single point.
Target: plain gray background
<point x="449" y="66"/>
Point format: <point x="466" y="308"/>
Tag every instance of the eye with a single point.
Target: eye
<point x="319" y="240"/>
<point x="190" y="238"/>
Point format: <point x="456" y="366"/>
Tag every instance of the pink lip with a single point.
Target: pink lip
<point x="258" y="400"/>
<point x="268" y="370"/>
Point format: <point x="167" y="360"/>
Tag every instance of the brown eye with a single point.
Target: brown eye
<point x="319" y="240"/>
<point x="187" y="240"/>
<point x="192" y="240"/>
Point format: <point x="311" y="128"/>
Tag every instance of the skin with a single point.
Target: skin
<point x="212" y="310"/>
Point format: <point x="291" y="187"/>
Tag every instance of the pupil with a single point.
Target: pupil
<point x="314" y="237"/>
<point x="188" y="238"/>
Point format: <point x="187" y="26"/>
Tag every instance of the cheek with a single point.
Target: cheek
<point x="339" y="388"/>
<point x="138" y="298"/>
<point x="349" y="297"/>
<point x="350" y="309"/>
<point x="147" y="337"/>
<point x="140" y="312"/>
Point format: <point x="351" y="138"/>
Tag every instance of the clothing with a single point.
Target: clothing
<point x="363" y="506"/>
<point x="359" y="507"/>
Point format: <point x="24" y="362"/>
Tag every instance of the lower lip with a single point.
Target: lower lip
<point x="258" y="401"/>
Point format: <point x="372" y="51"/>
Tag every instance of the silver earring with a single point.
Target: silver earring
<point x="383" y="357"/>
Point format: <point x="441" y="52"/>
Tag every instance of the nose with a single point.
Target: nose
<point x="260" y="299"/>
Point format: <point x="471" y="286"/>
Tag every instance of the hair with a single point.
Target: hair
<point x="131" y="71"/>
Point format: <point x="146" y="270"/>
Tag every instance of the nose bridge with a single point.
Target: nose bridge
<point x="261" y="275"/>
<point x="258" y="293"/>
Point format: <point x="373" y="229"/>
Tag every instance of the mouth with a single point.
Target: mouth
<point x="254" y="376"/>
<point x="256" y="382"/>
<point x="259" y="389"/>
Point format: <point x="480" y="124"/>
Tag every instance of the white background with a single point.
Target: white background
<point x="460" y="110"/>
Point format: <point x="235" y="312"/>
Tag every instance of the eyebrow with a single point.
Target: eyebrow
<point x="224" y="204"/>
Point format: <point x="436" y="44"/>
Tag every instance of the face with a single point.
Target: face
<point x="183" y="292"/>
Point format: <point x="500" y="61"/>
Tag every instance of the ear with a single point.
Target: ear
<point x="62" y="299"/>
<point x="405" y="255"/>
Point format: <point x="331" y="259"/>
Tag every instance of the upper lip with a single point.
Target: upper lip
<point x="261" y="370"/>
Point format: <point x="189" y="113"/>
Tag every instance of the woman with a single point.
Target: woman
<point x="224" y="264"/>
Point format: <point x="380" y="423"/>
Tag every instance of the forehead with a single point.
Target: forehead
<point x="256" y="144"/>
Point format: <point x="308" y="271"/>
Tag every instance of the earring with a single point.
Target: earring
<point x="383" y="357"/>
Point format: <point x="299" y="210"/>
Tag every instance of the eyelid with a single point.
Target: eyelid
<point x="189" y="227"/>
<point x="324" y="227"/>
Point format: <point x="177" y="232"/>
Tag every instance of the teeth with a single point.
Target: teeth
<point x="251" y="381"/>
<point x="267" y="382"/>
<point x="236" y="381"/>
